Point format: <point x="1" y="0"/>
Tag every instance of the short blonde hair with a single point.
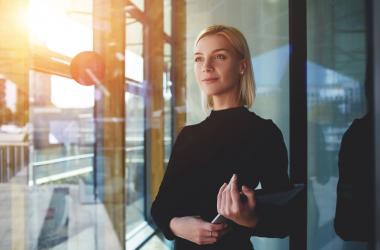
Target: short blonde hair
<point x="247" y="90"/>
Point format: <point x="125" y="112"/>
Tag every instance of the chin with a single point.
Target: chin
<point x="212" y="93"/>
<point x="211" y="90"/>
<point x="215" y="91"/>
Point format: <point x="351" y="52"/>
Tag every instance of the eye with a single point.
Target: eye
<point x="198" y="59"/>
<point x="220" y="57"/>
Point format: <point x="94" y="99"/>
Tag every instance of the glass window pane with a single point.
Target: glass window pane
<point x="336" y="41"/>
<point x="61" y="170"/>
<point x="167" y="17"/>
<point x="61" y="26"/>
<point x="134" y="137"/>
<point x="134" y="63"/>
<point x="167" y="93"/>
<point x="49" y="195"/>
<point x="134" y="161"/>
<point x="139" y="4"/>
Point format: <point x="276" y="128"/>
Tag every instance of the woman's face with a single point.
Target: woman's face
<point x="218" y="67"/>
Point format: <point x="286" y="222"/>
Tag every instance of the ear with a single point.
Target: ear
<point x="243" y="66"/>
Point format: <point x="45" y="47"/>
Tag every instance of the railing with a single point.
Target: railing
<point x="13" y="158"/>
<point x="73" y="170"/>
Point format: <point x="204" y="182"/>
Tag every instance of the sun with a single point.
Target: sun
<point x="51" y="25"/>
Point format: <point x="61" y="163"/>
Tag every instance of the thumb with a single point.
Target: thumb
<point x="250" y="195"/>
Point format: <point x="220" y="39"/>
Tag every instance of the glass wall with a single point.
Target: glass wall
<point x="265" y="25"/>
<point x="134" y="139"/>
<point x="135" y="104"/>
<point x="59" y="134"/>
<point x="167" y="86"/>
<point x="336" y="68"/>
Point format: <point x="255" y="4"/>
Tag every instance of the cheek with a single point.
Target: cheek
<point x="197" y="73"/>
<point x="230" y="73"/>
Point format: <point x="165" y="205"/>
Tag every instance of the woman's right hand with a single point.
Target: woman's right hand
<point x="196" y="230"/>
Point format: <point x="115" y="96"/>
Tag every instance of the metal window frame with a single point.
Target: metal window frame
<point x="298" y="114"/>
<point x="376" y="106"/>
<point x="298" y="108"/>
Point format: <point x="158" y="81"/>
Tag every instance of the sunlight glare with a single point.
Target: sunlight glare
<point x="50" y="25"/>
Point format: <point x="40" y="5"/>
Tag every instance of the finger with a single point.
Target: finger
<point x="223" y="201"/>
<point x="251" y="199"/>
<point x="219" y="197"/>
<point x="234" y="193"/>
<point x="232" y="179"/>
<point x="227" y="202"/>
<point x="225" y="198"/>
<point x="205" y="238"/>
<point x="208" y="241"/>
<point x="207" y="234"/>
<point x="218" y="234"/>
<point x="216" y="227"/>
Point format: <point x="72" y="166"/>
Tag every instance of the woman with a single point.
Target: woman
<point x="231" y="141"/>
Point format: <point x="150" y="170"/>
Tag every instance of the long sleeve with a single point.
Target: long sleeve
<point x="166" y="204"/>
<point x="274" y="221"/>
<point x="205" y="155"/>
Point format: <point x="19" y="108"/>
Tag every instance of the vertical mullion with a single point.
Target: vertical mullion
<point x="178" y="15"/>
<point x="298" y="113"/>
<point x="153" y="43"/>
<point x="370" y="87"/>
<point x="376" y="86"/>
<point x="109" y="115"/>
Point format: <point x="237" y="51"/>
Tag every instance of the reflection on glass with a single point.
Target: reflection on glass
<point x="62" y="137"/>
<point x="354" y="213"/>
<point x="62" y="162"/>
<point x="135" y="120"/>
<point x="335" y="91"/>
<point x="7" y="101"/>
<point x="47" y="198"/>
<point x="134" y="63"/>
<point x="167" y="17"/>
<point x="167" y="93"/>
<point x="134" y="160"/>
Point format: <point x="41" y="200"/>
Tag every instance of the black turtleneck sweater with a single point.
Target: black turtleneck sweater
<point x="204" y="156"/>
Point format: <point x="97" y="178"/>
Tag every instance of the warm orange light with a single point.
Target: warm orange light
<point x="42" y="17"/>
<point x="50" y="25"/>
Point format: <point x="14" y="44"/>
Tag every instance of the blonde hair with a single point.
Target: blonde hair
<point x="247" y="90"/>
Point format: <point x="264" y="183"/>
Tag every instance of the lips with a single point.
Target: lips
<point x="210" y="79"/>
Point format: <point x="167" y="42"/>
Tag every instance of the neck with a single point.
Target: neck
<point x="225" y="106"/>
<point x="225" y="102"/>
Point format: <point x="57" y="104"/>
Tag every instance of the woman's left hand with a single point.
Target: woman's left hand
<point x="231" y="207"/>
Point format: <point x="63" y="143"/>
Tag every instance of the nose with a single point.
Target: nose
<point x="207" y="65"/>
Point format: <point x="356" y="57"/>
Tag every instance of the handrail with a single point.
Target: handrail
<point x="62" y="159"/>
<point x="77" y="157"/>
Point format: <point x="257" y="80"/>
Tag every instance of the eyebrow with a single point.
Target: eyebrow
<point x="215" y="50"/>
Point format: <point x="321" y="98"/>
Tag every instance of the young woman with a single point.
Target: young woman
<point x="227" y="155"/>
